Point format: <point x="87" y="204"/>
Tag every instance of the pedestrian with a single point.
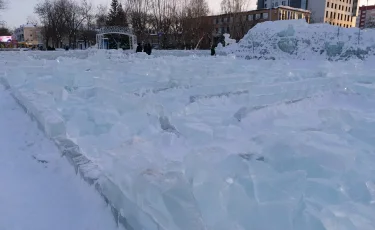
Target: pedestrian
<point x="139" y="48"/>
<point x="149" y="49"/>
<point x="213" y="52"/>
<point x="145" y="48"/>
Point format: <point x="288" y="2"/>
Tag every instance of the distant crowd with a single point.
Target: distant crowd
<point x="147" y="48"/>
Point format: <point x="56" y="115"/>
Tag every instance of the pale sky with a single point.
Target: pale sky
<point x="19" y="10"/>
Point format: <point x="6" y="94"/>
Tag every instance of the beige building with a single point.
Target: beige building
<point x="238" y="24"/>
<point x="30" y="34"/>
<point x="341" y="13"/>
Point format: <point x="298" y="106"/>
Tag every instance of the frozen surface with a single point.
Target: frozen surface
<point x="215" y="143"/>
<point x="295" y="39"/>
<point x="39" y="190"/>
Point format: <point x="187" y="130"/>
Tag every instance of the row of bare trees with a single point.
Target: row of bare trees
<point x="170" y="21"/>
<point x="65" y="19"/>
<point x="2" y="7"/>
<point x="179" y="21"/>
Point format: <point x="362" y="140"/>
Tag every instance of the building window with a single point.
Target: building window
<point x="250" y="17"/>
<point x="257" y="16"/>
<point x="326" y="14"/>
<point x="283" y="3"/>
<point x="327" y="4"/>
<point x="265" y="5"/>
<point x="265" y="15"/>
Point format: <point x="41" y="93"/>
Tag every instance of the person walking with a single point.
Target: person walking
<point x="213" y="52"/>
<point x="145" y="48"/>
<point x="149" y="48"/>
<point x="139" y="48"/>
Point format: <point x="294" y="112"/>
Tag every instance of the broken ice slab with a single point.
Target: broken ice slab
<point x="169" y="199"/>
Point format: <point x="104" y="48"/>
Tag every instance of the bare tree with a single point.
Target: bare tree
<point x="160" y="20"/>
<point x="194" y="23"/>
<point x="2" y="4"/>
<point x="101" y="16"/>
<point x="32" y="20"/>
<point x="87" y="29"/>
<point x="45" y="12"/>
<point x="139" y="17"/>
<point x="75" y="16"/>
<point x="235" y="6"/>
<point x="238" y="23"/>
<point x="176" y="22"/>
<point x="4" y="31"/>
<point x="2" y="7"/>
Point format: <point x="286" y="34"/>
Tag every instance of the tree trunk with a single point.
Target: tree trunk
<point x="46" y="42"/>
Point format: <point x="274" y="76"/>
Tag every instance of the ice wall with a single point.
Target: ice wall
<point x="295" y="39"/>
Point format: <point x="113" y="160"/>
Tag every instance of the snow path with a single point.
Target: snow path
<point x="39" y="189"/>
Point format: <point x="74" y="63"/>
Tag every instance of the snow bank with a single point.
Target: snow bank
<point x="39" y="191"/>
<point x="110" y="54"/>
<point x="212" y="143"/>
<point x="295" y="39"/>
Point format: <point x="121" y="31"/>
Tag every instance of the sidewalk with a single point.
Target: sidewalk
<point x="39" y="189"/>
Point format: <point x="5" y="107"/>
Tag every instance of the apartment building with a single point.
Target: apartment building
<point x="238" y="24"/>
<point x="30" y="34"/>
<point x="366" y="17"/>
<point x="335" y="12"/>
<point x="301" y="4"/>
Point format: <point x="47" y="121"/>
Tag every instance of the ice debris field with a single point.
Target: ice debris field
<point x="217" y="143"/>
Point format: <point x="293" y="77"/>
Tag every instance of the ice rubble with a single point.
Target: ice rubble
<point x="213" y="143"/>
<point x="298" y="40"/>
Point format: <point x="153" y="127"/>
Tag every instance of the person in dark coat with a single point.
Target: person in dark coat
<point x="145" y="49"/>
<point x="213" y="52"/>
<point x="149" y="48"/>
<point x="139" y="48"/>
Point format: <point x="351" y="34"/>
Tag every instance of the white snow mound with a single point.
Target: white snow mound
<point x="297" y="39"/>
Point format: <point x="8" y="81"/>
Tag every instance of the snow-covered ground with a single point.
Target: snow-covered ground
<point x="39" y="190"/>
<point x="214" y="143"/>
